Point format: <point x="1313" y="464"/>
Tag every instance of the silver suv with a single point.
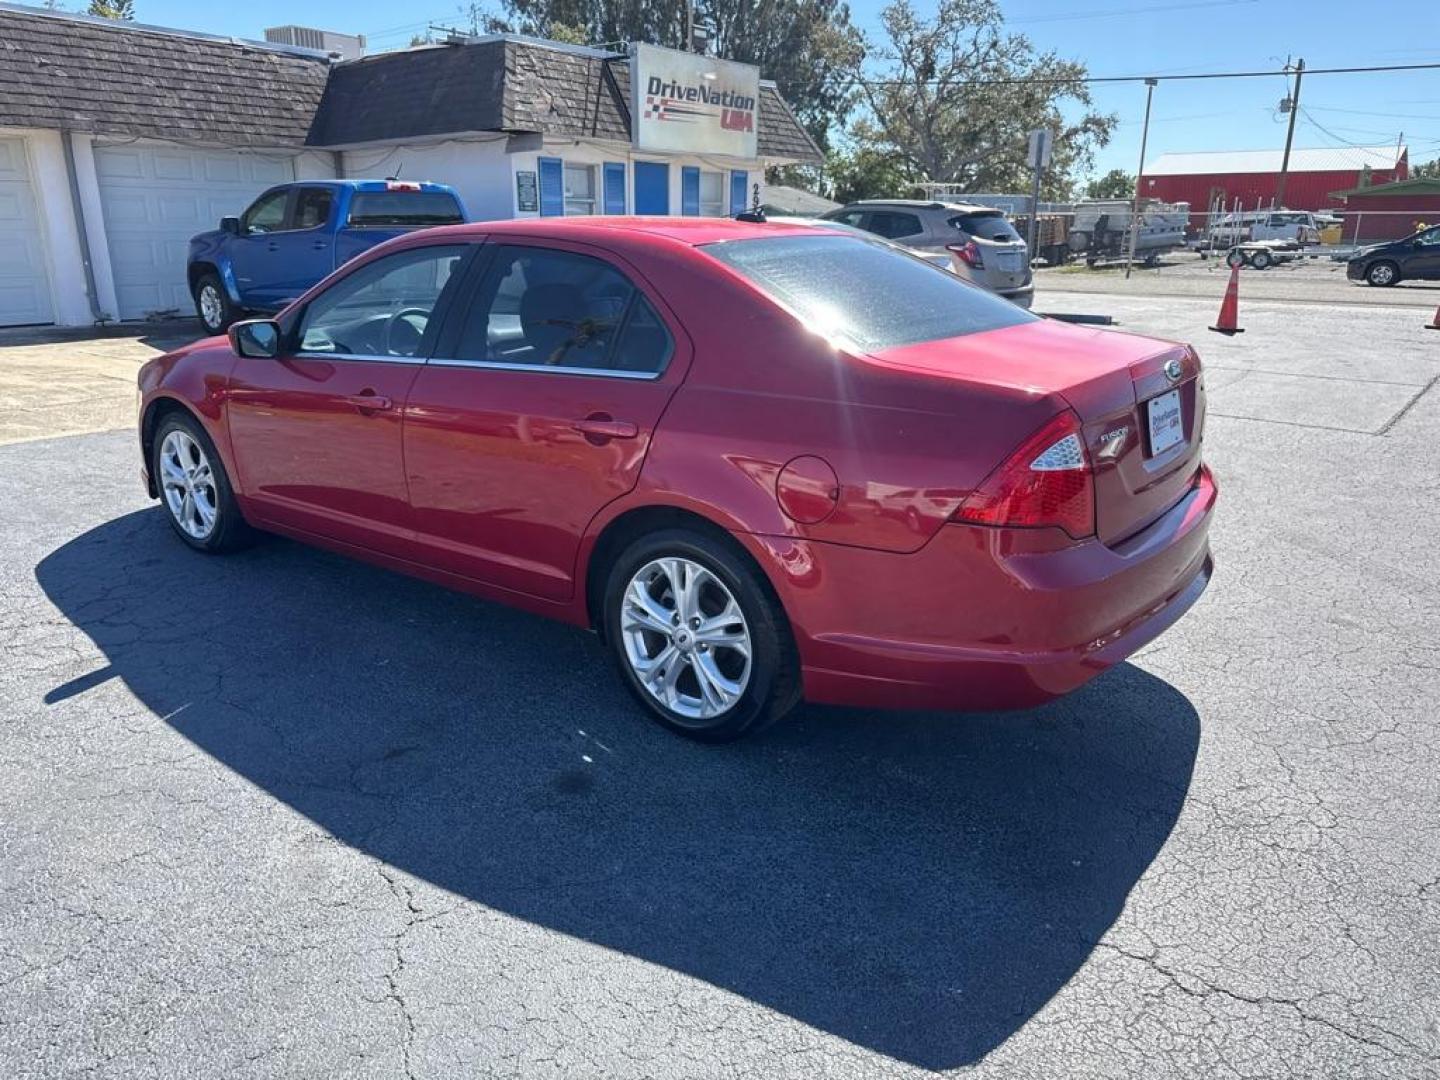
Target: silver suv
<point x="983" y="246"/>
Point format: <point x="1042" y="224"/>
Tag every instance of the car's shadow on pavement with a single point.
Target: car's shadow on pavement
<point x="917" y="885"/>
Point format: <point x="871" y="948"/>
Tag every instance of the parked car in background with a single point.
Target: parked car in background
<point x="983" y="245"/>
<point x="295" y="234"/>
<point x="1414" y="258"/>
<point x="939" y="259"/>
<point x="764" y="462"/>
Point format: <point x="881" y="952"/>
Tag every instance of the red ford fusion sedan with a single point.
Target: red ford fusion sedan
<point x="763" y="461"/>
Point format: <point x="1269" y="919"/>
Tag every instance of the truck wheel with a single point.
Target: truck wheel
<point x="1234" y="259"/>
<point x="212" y="304"/>
<point x="1261" y="260"/>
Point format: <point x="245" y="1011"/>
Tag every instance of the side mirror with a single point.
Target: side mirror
<point x="256" y="338"/>
<point x="231" y="225"/>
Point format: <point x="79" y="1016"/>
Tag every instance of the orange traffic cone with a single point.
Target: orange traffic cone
<point x="1229" y="307"/>
<point x="1436" y="324"/>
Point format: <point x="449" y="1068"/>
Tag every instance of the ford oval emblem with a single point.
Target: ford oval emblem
<point x="1174" y="369"/>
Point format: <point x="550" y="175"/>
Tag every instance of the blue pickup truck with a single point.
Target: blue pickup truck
<point x="293" y="235"/>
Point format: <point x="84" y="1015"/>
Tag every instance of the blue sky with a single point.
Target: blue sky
<point x="1113" y="37"/>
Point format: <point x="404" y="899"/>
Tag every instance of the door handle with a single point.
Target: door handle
<point x="272" y="246"/>
<point x="369" y="403"/>
<point x="600" y="428"/>
<point x="321" y="245"/>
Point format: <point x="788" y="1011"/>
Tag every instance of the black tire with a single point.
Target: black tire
<point x="1387" y="271"/>
<point x="773" y="688"/>
<point x="228" y="313"/>
<point x="1261" y="260"/>
<point x="1234" y="259"/>
<point x="229" y="531"/>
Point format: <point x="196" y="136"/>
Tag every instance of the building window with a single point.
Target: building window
<point x="579" y="189"/>
<point x="712" y="194"/>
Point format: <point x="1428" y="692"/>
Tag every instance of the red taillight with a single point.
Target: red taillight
<point x="401" y="185"/>
<point x="1047" y="482"/>
<point x="969" y="253"/>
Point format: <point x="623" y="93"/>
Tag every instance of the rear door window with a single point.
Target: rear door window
<point x="542" y="307"/>
<point x="993" y="227"/>
<point x="312" y="208"/>
<point x="866" y="292"/>
<point x="405" y="209"/>
<point x="893" y="224"/>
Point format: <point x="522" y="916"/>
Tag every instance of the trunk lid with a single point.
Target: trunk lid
<point x="1113" y="380"/>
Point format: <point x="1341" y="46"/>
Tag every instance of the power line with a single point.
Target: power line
<point x="1040" y="80"/>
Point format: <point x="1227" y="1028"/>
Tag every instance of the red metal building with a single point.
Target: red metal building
<point x="1389" y="211"/>
<point x="1251" y="176"/>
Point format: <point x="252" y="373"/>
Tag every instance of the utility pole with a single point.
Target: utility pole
<point x="1289" y="135"/>
<point x="1139" y="174"/>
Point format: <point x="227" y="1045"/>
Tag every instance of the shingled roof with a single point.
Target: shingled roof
<point x="107" y="78"/>
<point x="506" y="84"/>
<point x="64" y="71"/>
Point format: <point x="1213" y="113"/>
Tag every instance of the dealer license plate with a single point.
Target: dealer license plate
<point x="1167" y="428"/>
<point x="1011" y="261"/>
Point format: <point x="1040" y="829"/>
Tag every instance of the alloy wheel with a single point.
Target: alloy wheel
<point x="212" y="311"/>
<point x="188" y="483"/>
<point x="686" y="638"/>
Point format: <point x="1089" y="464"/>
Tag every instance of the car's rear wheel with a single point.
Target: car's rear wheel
<point x="699" y="638"/>
<point x="194" y="489"/>
<point x="1382" y="274"/>
<point x="212" y="305"/>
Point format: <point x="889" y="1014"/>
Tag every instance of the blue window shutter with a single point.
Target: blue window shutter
<point x="690" y="191"/>
<point x="739" y="191"/>
<point x="552" y="187"/>
<point x="614" y="187"/>
<point x="652" y="187"/>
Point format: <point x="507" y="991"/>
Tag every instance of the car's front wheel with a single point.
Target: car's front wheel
<point x="699" y="637"/>
<point x="1383" y="273"/>
<point x="194" y="488"/>
<point x="212" y="305"/>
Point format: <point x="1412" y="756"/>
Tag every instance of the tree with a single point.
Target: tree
<point x="1115" y="184"/>
<point x="1426" y="170"/>
<point x="955" y="96"/>
<point x="808" y="47"/>
<point x="863" y="173"/>
<point x="120" y="10"/>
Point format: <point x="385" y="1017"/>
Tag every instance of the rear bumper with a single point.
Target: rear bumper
<point x="1024" y="296"/>
<point x="984" y="618"/>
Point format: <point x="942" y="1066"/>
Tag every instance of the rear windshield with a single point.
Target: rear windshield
<point x="412" y="209"/>
<point x="986" y="227"/>
<point x="866" y="291"/>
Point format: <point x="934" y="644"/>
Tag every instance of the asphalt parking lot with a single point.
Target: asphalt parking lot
<point x="284" y="815"/>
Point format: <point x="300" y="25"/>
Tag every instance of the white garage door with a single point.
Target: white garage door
<point x="155" y="198"/>
<point x="24" y="286"/>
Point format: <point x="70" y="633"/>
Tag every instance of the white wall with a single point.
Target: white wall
<point x="482" y="169"/>
<point x="475" y="167"/>
<point x="587" y="152"/>
<point x="50" y="187"/>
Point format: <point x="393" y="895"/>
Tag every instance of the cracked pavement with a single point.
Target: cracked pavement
<point x="285" y="815"/>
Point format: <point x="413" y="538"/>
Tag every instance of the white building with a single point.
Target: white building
<point x="119" y="142"/>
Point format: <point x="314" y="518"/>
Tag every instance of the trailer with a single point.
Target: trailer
<point x="1102" y="230"/>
